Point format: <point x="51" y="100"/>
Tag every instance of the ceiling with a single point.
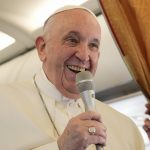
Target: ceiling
<point x="22" y="19"/>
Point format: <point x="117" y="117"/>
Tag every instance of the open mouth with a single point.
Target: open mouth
<point x="75" y="69"/>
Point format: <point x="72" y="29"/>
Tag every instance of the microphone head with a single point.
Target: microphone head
<point x="84" y="81"/>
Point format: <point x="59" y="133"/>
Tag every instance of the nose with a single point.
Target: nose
<point x="83" y="53"/>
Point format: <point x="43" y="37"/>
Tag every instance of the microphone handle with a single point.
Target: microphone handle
<point x="88" y="98"/>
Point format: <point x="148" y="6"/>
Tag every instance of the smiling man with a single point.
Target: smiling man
<point x="69" y="44"/>
<point x="48" y="113"/>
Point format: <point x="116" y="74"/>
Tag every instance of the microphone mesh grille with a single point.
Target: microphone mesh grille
<point x="84" y="81"/>
<point x="84" y="86"/>
<point x="84" y="75"/>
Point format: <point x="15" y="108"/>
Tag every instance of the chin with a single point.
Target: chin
<point x="69" y="94"/>
<point x="73" y="96"/>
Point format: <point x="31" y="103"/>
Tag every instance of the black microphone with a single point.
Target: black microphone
<point x="85" y="84"/>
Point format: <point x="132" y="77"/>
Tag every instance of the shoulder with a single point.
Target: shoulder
<point x="119" y="126"/>
<point x="114" y="115"/>
<point x="18" y="92"/>
<point x="16" y="87"/>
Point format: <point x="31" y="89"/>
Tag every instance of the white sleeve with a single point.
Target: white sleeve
<point x="49" y="146"/>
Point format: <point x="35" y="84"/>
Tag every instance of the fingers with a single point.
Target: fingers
<point x="148" y="108"/>
<point x="147" y="127"/>
<point x="90" y="115"/>
<point x="97" y="140"/>
<point x="99" y="136"/>
<point x="148" y="105"/>
<point x="77" y="132"/>
<point x="91" y="123"/>
<point x="101" y="131"/>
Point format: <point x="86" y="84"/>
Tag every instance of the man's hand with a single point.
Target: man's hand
<point x="147" y="121"/>
<point x="76" y="135"/>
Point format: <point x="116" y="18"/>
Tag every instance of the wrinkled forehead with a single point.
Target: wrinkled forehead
<point x="67" y="8"/>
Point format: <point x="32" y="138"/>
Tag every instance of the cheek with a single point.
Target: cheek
<point x="94" y="59"/>
<point x="95" y="56"/>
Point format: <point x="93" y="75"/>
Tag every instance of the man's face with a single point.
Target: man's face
<point x="71" y="45"/>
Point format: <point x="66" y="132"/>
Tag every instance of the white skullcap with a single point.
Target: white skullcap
<point x="70" y="7"/>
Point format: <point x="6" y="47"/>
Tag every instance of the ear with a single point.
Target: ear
<point x="40" y="45"/>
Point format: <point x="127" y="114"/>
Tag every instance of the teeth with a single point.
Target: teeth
<point x="75" y="68"/>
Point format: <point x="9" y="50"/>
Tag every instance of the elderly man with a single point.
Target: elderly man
<point x="47" y="113"/>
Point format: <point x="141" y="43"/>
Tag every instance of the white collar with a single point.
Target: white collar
<point x="49" y="89"/>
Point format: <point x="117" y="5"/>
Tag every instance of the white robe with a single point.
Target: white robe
<point x="25" y="124"/>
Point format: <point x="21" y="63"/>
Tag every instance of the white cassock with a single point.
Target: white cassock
<point x="33" y="118"/>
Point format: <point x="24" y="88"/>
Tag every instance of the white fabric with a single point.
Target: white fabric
<point x="49" y="146"/>
<point x="70" y="7"/>
<point x="20" y="68"/>
<point x="59" y="106"/>
<point x="24" y="123"/>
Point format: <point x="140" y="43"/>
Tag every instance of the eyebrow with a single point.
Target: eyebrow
<point x="76" y="33"/>
<point x="96" y="40"/>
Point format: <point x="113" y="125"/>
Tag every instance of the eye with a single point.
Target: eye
<point x="72" y="41"/>
<point x="94" y="46"/>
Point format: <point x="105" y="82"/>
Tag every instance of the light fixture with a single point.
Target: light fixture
<point x="6" y="40"/>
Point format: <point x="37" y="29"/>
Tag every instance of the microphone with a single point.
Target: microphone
<point x="85" y="84"/>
